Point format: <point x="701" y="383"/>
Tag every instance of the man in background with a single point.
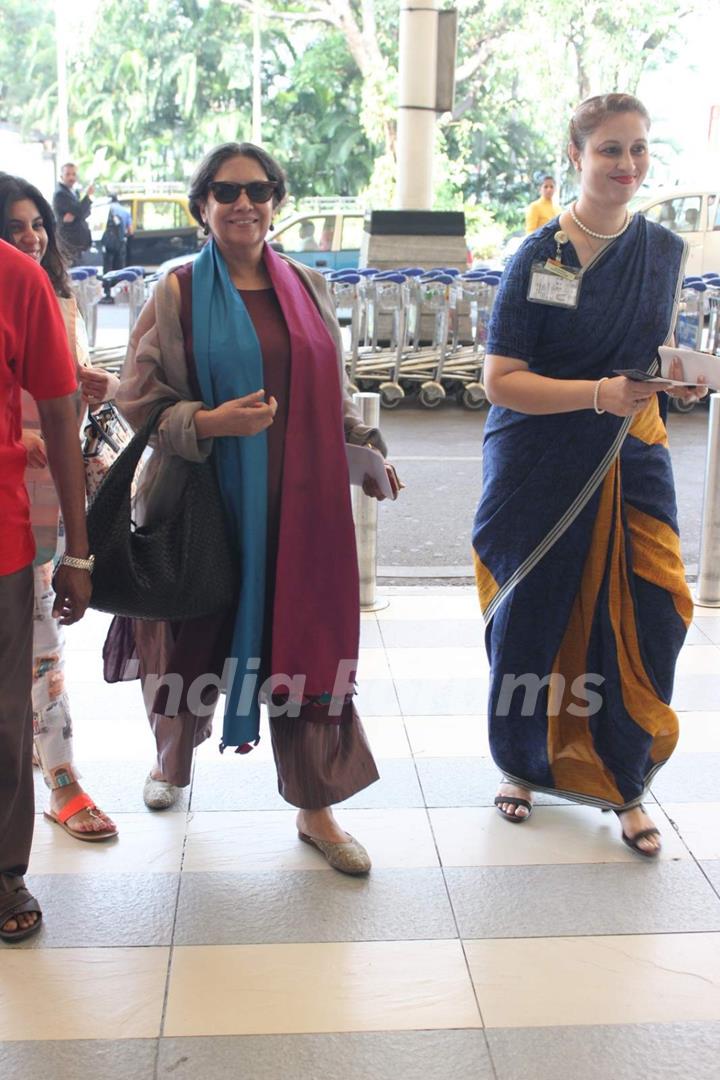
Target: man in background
<point x="114" y="240"/>
<point x="71" y="213"/>
<point x="543" y="209"/>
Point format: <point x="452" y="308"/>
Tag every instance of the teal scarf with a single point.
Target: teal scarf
<point x="229" y="365"/>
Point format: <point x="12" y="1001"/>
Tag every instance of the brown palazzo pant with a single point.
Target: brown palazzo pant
<point x="17" y="799"/>
<point x="319" y="763"/>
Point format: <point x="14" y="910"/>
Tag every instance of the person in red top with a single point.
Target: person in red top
<point x="34" y="356"/>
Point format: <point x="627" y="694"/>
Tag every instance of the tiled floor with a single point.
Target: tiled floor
<point x="208" y="943"/>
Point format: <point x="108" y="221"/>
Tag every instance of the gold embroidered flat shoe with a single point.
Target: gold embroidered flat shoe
<point x="159" y="794"/>
<point x="349" y="858"/>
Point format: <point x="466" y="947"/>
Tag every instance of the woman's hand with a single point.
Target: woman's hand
<point x="35" y="447"/>
<point x="687" y="394"/>
<point x="242" y="416"/>
<point x="97" y="385"/>
<point x="626" y="397"/>
<point x="372" y="488"/>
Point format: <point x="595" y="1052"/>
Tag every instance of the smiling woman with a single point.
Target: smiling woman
<point x="244" y="348"/>
<point x="576" y="529"/>
<point x="27" y="222"/>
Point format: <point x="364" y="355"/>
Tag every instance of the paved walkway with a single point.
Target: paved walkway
<point x="209" y="943"/>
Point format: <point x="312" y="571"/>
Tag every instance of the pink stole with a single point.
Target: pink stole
<point x="316" y="619"/>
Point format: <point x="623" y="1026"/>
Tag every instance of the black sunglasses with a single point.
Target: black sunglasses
<point x="257" y="191"/>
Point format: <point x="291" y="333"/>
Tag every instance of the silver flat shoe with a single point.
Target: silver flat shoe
<point x="349" y="858"/>
<point x="159" y="794"/>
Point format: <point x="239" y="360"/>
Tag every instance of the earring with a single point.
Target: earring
<point x="272" y="226"/>
<point x="206" y="228"/>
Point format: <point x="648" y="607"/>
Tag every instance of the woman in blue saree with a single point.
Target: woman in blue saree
<point x="576" y="545"/>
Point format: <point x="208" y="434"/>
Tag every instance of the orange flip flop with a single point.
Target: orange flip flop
<point x="80" y="802"/>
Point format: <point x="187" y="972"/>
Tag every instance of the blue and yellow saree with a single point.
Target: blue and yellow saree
<point x="576" y="544"/>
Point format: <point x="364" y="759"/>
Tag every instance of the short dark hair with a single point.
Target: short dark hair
<point x="68" y="165"/>
<point x="13" y="189"/>
<point x="210" y="164"/>
<point x="546" y="178"/>
<point x="591" y="113"/>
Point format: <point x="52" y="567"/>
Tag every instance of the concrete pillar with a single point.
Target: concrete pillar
<point x="417" y="102"/>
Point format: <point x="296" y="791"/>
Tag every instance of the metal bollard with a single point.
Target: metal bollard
<point x="707" y="593"/>
<point x="365" y="513"/>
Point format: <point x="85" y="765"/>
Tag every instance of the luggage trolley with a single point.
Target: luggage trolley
<point x="421" y="360"/>
<point x="383" y="337"/>
<point x="690" y="326"/>
<point x="468" y="320"/>
<point x="712" y="281"/>
<point x="87" y="291"/>
<point x="691" y="314"/>
<point x="471" y="302"/>
<point x="346" y="290"/>
<point x="127" y="287"/>
<point x="390" y="389"/>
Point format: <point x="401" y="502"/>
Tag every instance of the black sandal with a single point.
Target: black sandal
<point x="633" y="842"/>
<point x="16" y="900"/>
<point x="517" y="819"/>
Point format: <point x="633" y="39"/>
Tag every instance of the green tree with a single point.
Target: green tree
<point x="27" y="61"/>
<point x="157" y="82"/>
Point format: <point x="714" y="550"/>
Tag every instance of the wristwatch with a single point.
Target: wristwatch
<point x="79" y="564"/>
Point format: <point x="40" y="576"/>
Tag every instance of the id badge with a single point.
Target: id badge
<point x="547" y="286"/>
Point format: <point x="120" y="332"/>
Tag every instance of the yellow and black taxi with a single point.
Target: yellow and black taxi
<point x="162" y="227"/>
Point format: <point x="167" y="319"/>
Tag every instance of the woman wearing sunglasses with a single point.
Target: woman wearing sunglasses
<point x="244" y="346"/>
<point x="27" y="222"/>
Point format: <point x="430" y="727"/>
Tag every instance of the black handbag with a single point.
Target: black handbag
<point x="180" y="568"/>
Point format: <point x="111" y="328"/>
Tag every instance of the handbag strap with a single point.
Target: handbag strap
<point x="101" y="433"/>
<point x="127" y="461"/>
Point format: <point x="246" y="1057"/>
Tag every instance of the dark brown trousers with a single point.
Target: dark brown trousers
<point x="17" y="800"/>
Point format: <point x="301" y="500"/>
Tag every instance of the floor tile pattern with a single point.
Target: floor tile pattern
<point x="206" y="942"/>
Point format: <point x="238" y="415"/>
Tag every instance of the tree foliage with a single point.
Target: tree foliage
<point x="156" y="83"/>
<point x="27" y="60"/>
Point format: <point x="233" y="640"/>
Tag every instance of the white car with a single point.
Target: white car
<point x="692" y="214"/>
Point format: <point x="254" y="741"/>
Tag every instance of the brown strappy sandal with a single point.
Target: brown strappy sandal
<point x="16" y="899"/>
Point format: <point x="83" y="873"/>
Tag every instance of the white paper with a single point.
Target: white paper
<point x="362" y="462"/>
<point x="694" y="364"/>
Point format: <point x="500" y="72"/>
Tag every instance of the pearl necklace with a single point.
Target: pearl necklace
<point x="597" y="235"/>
